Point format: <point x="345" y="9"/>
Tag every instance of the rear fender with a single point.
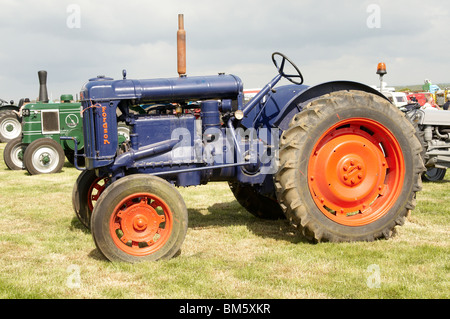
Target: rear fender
<point x="293" y="106"/>
<point x="277" y="110"/>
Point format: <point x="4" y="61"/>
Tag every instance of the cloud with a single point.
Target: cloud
<point x="326" y="39"/>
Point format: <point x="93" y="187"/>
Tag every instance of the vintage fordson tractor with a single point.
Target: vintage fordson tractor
<point x="337" y="159"/>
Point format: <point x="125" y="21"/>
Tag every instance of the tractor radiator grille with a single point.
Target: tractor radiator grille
<point x="50" y="121"/>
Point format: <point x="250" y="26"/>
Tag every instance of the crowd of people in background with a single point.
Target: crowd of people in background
<point x="430" y="103"/>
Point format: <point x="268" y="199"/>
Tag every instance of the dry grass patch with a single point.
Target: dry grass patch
<point x="227" y="253"/>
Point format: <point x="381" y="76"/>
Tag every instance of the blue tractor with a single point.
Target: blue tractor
<point x="338" y="160"/>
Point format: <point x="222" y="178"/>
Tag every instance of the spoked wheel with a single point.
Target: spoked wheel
<point x="434" y="174"/>
<point x="44" y="156"/>
<point x="86" y="191"/>
<point x="294" y="75"/>
<point x="360" y="161"/>
<point x="13" y="154"/>
<point x="139" y="217"/>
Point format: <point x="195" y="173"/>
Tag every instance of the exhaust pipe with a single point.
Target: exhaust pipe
<point x="181" y="46"/>
<point x="43" y="94"/>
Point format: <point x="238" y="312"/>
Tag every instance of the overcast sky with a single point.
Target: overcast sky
<point x="75" y="40"/>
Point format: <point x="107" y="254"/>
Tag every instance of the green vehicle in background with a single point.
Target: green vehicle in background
<point x="10" y="126"/>
<point x="40" y="149"/>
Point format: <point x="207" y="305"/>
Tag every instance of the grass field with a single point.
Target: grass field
<point x="46" y="253"/>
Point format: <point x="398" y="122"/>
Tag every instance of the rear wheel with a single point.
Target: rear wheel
<point x="139" y="218"/>
<point x="350" y="168"/>
<point x="44" y="156"/>
<point x="10" y="126"/>
<point x="255" y="203"/>
<point x="434" y="174"/>
<point x="13" y="154"/>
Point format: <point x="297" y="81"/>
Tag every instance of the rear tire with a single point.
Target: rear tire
<point x="255" y="203"/>
<point x="13" y="154"/>
<point x="350" y="167"/>
<point x="139" y="218"/>
<point x="10" y="126"/>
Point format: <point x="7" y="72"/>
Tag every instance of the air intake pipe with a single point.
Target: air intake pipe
<point x="43" y="94"/>
<point x="181" y="46"/>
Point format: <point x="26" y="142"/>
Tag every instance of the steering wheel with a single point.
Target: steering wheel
<point x="280" y="68"/>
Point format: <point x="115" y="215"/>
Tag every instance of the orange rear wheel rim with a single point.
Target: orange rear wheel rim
<point x="141" y="224"/>
<point x="356" y="171"/>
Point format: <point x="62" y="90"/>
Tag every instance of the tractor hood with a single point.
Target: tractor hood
<point x="163" y="90"/>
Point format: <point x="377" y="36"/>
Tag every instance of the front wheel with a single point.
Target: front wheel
<point x="86" y="191"/>
<point x="44" y="156"/>
<point x="350" y="167"/>
<point x="139" y="218"/>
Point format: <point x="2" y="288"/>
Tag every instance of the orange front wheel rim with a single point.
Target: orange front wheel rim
<point x="95" y="190"/>
<point x="356" y="171"/>
<point x="141" y="224"/>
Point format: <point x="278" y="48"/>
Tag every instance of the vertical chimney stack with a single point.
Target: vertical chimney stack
<point x="181" y="46"/>
<point x="43" y="94"/>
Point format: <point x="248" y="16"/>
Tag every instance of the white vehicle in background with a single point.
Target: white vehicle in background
<point x="249" y="94"/>
<point x="399" y="99"/>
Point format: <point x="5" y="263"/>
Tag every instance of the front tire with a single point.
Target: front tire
<point x="86" y="191"/>
<point x="44" y="156"/>
<point x="350" y="167"/>
<point x="139" y="218"/>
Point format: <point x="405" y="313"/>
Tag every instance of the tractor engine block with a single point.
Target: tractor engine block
<point x="174" y="124"/>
